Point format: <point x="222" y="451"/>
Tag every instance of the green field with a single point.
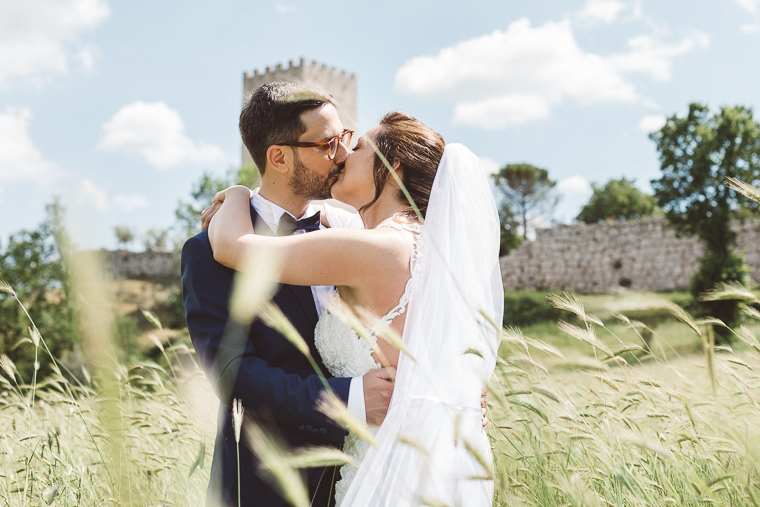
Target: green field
<point x="670" y="422"/>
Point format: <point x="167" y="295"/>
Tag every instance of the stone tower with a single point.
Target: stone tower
<point x="341" y="85"/>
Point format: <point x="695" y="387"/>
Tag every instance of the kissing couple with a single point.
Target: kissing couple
<point x="419" y="261"/>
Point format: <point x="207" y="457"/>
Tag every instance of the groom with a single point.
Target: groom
<point x="275" y="382"/>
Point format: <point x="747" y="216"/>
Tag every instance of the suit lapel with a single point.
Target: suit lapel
<point x="302" y="293"/>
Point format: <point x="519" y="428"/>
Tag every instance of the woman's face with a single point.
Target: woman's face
<point x="356" y="183"/>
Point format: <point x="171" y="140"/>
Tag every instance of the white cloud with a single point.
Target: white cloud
<point x="652" y="123"/>
<point x="157" y="133"/>
<point x="750" y="6"/>
<point x="130" y="202"/>
<point x="602" y="10"/>
<point x="89" y="195"/>
<point x="574" y="185"/>
<point x="576" y="192"/>
<point x="490" y="166"/>
<point x="284" y="8"/>
<point x="19" y="157"/>
<point x="518" y="75"/>
<point x="39" y="37"/>
<point x="751" y="27"/>
<point x="500" y="112"/>
<point x="650" y="56"/>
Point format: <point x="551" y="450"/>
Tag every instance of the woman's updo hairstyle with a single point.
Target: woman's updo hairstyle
<point x="418" y="150"/>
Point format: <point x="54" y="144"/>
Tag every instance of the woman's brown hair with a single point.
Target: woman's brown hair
<point x="416" y="148"/>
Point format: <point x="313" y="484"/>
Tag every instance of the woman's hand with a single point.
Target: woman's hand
<point x="219" y="198"/>
<point x="209" y="213"/>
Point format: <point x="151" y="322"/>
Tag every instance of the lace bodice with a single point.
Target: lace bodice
<point x="346" y="354"/>
<point x="343" y="351"/>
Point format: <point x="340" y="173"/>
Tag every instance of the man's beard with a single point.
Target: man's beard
<point x="308" y="184"/>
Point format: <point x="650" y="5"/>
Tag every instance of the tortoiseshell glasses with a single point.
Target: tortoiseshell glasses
<point x="332" y="143"/>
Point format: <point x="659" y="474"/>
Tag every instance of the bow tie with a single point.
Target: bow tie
<point x="289" y="225"/>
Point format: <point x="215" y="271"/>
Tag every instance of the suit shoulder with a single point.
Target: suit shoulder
<point x="197" y="244"/>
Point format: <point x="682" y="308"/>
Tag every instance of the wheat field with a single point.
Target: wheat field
<point x="604" y="423"/>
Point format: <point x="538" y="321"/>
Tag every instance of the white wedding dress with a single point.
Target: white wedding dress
<point x="431" y="448"/>
<point x="346" y="354"/>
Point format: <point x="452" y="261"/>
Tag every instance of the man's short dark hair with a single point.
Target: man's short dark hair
<point x="272" y="114"/>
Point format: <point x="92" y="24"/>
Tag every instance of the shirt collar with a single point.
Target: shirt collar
<point x="271" y="213"/>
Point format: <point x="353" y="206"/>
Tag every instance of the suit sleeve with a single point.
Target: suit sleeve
<point x="229" y="357"/>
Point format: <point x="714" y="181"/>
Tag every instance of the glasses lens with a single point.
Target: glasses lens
<point x="332" y="148"/>
<point x="346" y="139"/>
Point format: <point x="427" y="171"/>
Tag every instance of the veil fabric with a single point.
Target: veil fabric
<point x="432" y="448"/>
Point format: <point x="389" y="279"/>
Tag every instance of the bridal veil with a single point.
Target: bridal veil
<point x="432" y="449"/>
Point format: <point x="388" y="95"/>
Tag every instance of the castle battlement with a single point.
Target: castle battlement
<point x="338" y="83"/>
<point x="295" y="70"/>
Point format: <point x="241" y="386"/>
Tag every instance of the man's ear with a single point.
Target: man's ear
<point x="278" y="158"/>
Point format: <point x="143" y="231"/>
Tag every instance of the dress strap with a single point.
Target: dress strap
<point x="413" y="227"/>
<point x="414" y="268"/>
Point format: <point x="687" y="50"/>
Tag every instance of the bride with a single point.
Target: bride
<point x="426" y="265"/>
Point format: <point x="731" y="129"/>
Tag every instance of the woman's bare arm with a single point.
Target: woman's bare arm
<point x="328" y="257"/>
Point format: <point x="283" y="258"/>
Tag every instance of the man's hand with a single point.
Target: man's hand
<point x="378" y="388"/>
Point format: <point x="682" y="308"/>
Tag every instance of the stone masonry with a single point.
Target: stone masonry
<point x="640" y="255"/>
<point x="342" y="86"/>
<point x="142" y="265"/>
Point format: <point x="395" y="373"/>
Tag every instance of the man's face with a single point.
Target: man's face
<point x="313" y="173"/>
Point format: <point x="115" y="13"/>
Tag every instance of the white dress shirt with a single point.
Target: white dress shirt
<point x="271" y="213"/>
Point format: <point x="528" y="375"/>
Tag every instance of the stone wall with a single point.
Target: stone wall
<point x="641" y="255"/>
<point x="142" y="265"/>
<point x="342" y="86"/>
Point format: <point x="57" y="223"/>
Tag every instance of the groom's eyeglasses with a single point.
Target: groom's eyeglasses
<point x="332" y="144"/>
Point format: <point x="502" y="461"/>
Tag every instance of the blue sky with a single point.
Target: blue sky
<point x="118" y="107"/>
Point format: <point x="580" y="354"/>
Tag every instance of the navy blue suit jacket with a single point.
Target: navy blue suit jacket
<point x="277" y="385"/>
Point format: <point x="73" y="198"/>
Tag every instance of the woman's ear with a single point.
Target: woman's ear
<point x="278" y="158"/>
<point x="396" y="169"/>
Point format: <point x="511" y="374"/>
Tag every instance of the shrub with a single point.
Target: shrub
<point x="32" y="262"/>
<point x="523" y="308"/>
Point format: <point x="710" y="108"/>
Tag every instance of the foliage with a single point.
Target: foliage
<point x="523" y="308"/>
<point x="509" y="239"/>
<point x="527" y="190"/>
<point x="33" y="264"/>
<point x="188" y="214"/>
<point x="124" y="235"/>
<point x="697" y="153"/>
<point x="617" y="200"/>
<point x="156" y="239"/>
<point x="126" y="330"/>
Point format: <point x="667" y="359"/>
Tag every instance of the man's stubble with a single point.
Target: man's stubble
<point x="308" y="184"/>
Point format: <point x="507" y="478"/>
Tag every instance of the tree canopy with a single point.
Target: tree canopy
<point x="617" y="200"/>
<point x="528" y="192"/>
<point x="697" y="153"/>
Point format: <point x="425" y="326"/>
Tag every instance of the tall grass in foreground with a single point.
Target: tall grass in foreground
<point x="126" y="435"/>
<point x="586" y="431"/>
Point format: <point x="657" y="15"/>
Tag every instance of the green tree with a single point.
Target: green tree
<point x="124" y="235"/>
<point x="510" y="239"/>
<point x="617" y="200"/>
<point x="156" y="239"/>
<point x="528" y="192"/>
<point x="697" y="153"/>
<point x="33" y="264"/>
<point x="188" y="213"/>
